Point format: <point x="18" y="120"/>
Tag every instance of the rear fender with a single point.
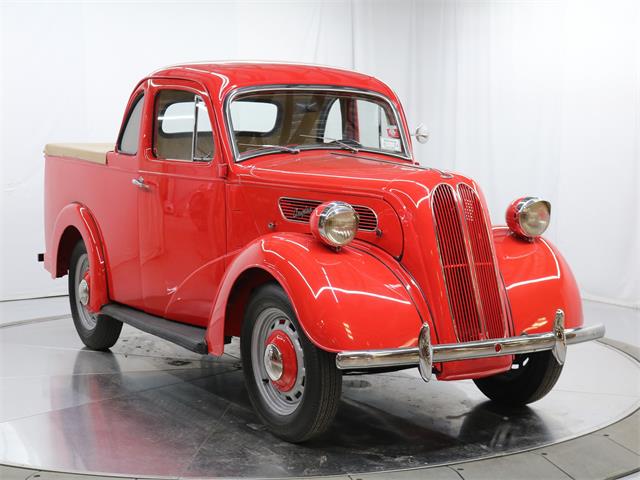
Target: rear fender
<point x="538" y="282"/>
<point x="346" y="300"/>
<point x="78" y="217"/>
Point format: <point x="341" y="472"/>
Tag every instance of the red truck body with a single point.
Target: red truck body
<point x="191" y="240"/>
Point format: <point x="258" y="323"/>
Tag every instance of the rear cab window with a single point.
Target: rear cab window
<point x="128" y="143"/>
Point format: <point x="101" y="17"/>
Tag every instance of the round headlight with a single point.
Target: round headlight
<point x="529" y="216"/>
<point x="334" y="223"/>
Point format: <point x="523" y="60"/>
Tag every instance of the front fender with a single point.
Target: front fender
<point x="538" y="281"/>
<point x="79" y="217"/>
<point x="346" y="300"/>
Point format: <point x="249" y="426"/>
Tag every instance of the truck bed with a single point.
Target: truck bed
<point x="91" y="152"/>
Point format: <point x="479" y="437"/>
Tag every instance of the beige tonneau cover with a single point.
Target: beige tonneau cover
<point x="91" y="152"/>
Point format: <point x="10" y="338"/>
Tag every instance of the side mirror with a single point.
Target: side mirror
<point x="421" y="134"/>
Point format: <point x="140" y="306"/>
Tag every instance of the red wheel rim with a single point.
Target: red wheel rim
<point x="288" y="359"/>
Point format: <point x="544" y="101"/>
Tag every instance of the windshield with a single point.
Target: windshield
<point x="290" y="121"/>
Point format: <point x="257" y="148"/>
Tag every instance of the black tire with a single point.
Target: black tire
<point x="531" y="377"/>
<point x="97" y="331"/>
<point x="315" y="408"/>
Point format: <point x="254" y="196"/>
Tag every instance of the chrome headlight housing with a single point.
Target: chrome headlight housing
<point x="529" y="217"/>
<point x="334" y="223"/>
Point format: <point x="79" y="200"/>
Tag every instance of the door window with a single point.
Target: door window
<point x="182" y="129"/>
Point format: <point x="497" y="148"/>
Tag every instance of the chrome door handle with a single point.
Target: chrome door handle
<point x="139" y="182"/>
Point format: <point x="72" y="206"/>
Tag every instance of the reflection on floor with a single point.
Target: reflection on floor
<point x="151" y="408"/>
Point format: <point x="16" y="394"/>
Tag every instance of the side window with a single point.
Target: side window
<point x="131" y="133"/>
<point x="182" y="129"/>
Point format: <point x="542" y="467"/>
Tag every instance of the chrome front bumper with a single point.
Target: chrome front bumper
<point x="425" y="354"/>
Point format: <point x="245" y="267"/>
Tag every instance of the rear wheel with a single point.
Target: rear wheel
<point x="531" y="377"/>
<point x="97" y="331"/>
<point x="294" y="387"/>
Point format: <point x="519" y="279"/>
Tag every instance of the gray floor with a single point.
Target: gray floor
<point x="623" y="323"/>
<point x="150" y="408"/>
<point x="18" y="311"/>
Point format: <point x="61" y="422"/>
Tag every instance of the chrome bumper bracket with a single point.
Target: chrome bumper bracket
<point x="426" y="354"/>
<point x="559" y="349"/>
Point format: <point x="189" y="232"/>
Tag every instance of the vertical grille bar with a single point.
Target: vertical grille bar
<point x="488" y="288"/>
<point x="455" y="264"/>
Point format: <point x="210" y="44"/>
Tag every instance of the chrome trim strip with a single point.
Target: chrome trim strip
<point x="400" y="357"/>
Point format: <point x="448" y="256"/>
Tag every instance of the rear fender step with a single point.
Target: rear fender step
<point x="187" y="336"/>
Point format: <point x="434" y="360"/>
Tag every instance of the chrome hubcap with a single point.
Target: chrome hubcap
<point x="273" y="362"/>
<point x="89" y="320"/>
<point x="268" y="362"/>
<point x="83" y="292"/>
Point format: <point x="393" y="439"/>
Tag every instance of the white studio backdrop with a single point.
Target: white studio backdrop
<point x="527" y="96"/>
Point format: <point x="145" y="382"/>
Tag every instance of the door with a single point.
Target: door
<point x="181" y="204"/>
<point x="116" y="208"/>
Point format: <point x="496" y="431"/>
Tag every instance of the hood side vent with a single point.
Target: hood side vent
<point x="300" y="210"/>
<point x="368" y="218"/>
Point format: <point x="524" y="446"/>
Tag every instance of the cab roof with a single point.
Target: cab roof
<point x="227" y="76"/>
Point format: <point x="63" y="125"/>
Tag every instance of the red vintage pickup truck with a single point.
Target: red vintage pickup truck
<point x="282" y="204"/>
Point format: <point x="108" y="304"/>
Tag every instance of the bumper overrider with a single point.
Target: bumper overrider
<point x="426" y="354"/>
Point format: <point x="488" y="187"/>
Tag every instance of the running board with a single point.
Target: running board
<point x="187" y="336"/>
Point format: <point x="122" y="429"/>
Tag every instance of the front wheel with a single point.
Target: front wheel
<point x="531" y="377"/>
<point x="97" y="331"/>
<point x="294" y="386"/>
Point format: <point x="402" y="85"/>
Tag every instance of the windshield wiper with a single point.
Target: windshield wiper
<point x="279" y="148"/>
<point x="344" y="145"/>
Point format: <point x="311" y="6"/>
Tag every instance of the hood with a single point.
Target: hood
<point x="353" y="173"/>
<point x="328" y="170"/>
